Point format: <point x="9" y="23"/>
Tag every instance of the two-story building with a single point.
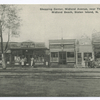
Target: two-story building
<point x="62" y="51"/>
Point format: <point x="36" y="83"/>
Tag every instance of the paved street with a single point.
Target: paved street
<point x="66" y="82"/>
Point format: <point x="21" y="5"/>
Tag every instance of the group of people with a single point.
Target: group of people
<point x="24" y="61"/>
<point x="88" y="62"/>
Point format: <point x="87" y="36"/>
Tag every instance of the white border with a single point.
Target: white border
<point x="50" y="98"/>
<point x="49" y="2"/>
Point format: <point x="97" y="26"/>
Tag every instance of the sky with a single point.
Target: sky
<point x="42" y="25"/>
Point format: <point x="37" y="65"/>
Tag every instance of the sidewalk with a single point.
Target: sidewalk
<point x="29" y="69"/>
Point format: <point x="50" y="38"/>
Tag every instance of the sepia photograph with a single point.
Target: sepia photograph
<point x="49" y="50"/>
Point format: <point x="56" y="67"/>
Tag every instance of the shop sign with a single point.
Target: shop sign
<point x="27" y="45"/>
<point x="14" y="45"/>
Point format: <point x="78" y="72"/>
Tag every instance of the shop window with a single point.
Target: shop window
<point x="97" y="54"/>
<point x="17" y="59"/>
<point x="16" y="55"/>
<point x="87" y="55"/>
<point x="54" y="54"/>
<point x="79" y="55"/>
<point x="39" y="58"/>
<point x="70" y="54"/>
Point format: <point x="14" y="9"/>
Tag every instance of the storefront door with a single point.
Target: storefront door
<point x="62" y="57"/>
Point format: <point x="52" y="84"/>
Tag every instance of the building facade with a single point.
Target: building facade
<point x="27" y="49"/>
<point x="62" y="51"/>
<point x="96" y="45"/>
<point x="84" y="49"/>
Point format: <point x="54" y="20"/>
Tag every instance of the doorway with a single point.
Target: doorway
<point x="28" y="56"/>
<point x="62" y="57"/>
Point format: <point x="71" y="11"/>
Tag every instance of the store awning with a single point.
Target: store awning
<point x="9" y="51"/>
<point x="28" y="48"/>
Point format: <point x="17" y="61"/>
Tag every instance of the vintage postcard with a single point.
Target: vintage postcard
<point x="49" y="50"/>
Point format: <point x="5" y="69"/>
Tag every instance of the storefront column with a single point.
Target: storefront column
<point x="66" y="57"/>
<point x="76" y="57"/>
<point x="50" y="57"/>
<point x="10" y="59"/>
<point x="58" y="57"/>
<point x="93" y="55"/>
<point x="82" y="57"/>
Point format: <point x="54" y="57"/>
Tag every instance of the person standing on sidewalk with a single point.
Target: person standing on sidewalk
<point x="86" y="62"/>
<point x="32" y="62"/>
<point x="83" y="63"/>
<point x="22" y="62"/>
<point x="25" y="61"/>
<point x="91" y="61"/>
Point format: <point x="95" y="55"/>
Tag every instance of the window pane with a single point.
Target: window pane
<point x="54" y="54"/>
<point x="87" y="54"/>
<point x="70" y="54"/>
<point x="79" y="55"/>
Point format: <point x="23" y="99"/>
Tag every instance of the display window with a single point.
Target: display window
<point x="87" y="55"/>
<point x="70" y="57"/>
<point x="79" y="56"/>
<point x="54" y="56"/>
<point x="70" y="54"/>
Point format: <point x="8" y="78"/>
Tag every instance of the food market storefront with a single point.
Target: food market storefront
<point x="28" y="50"/>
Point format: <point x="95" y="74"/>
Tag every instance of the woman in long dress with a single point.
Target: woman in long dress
<point x="32" y="62"/>
<point x="22" y="62"/>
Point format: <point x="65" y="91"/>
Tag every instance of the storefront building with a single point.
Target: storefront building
<point x="84" y="49"/>
<point x="62" y="51"/>
<point x="28" y="49"/>
<point x="96" y="45"/>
